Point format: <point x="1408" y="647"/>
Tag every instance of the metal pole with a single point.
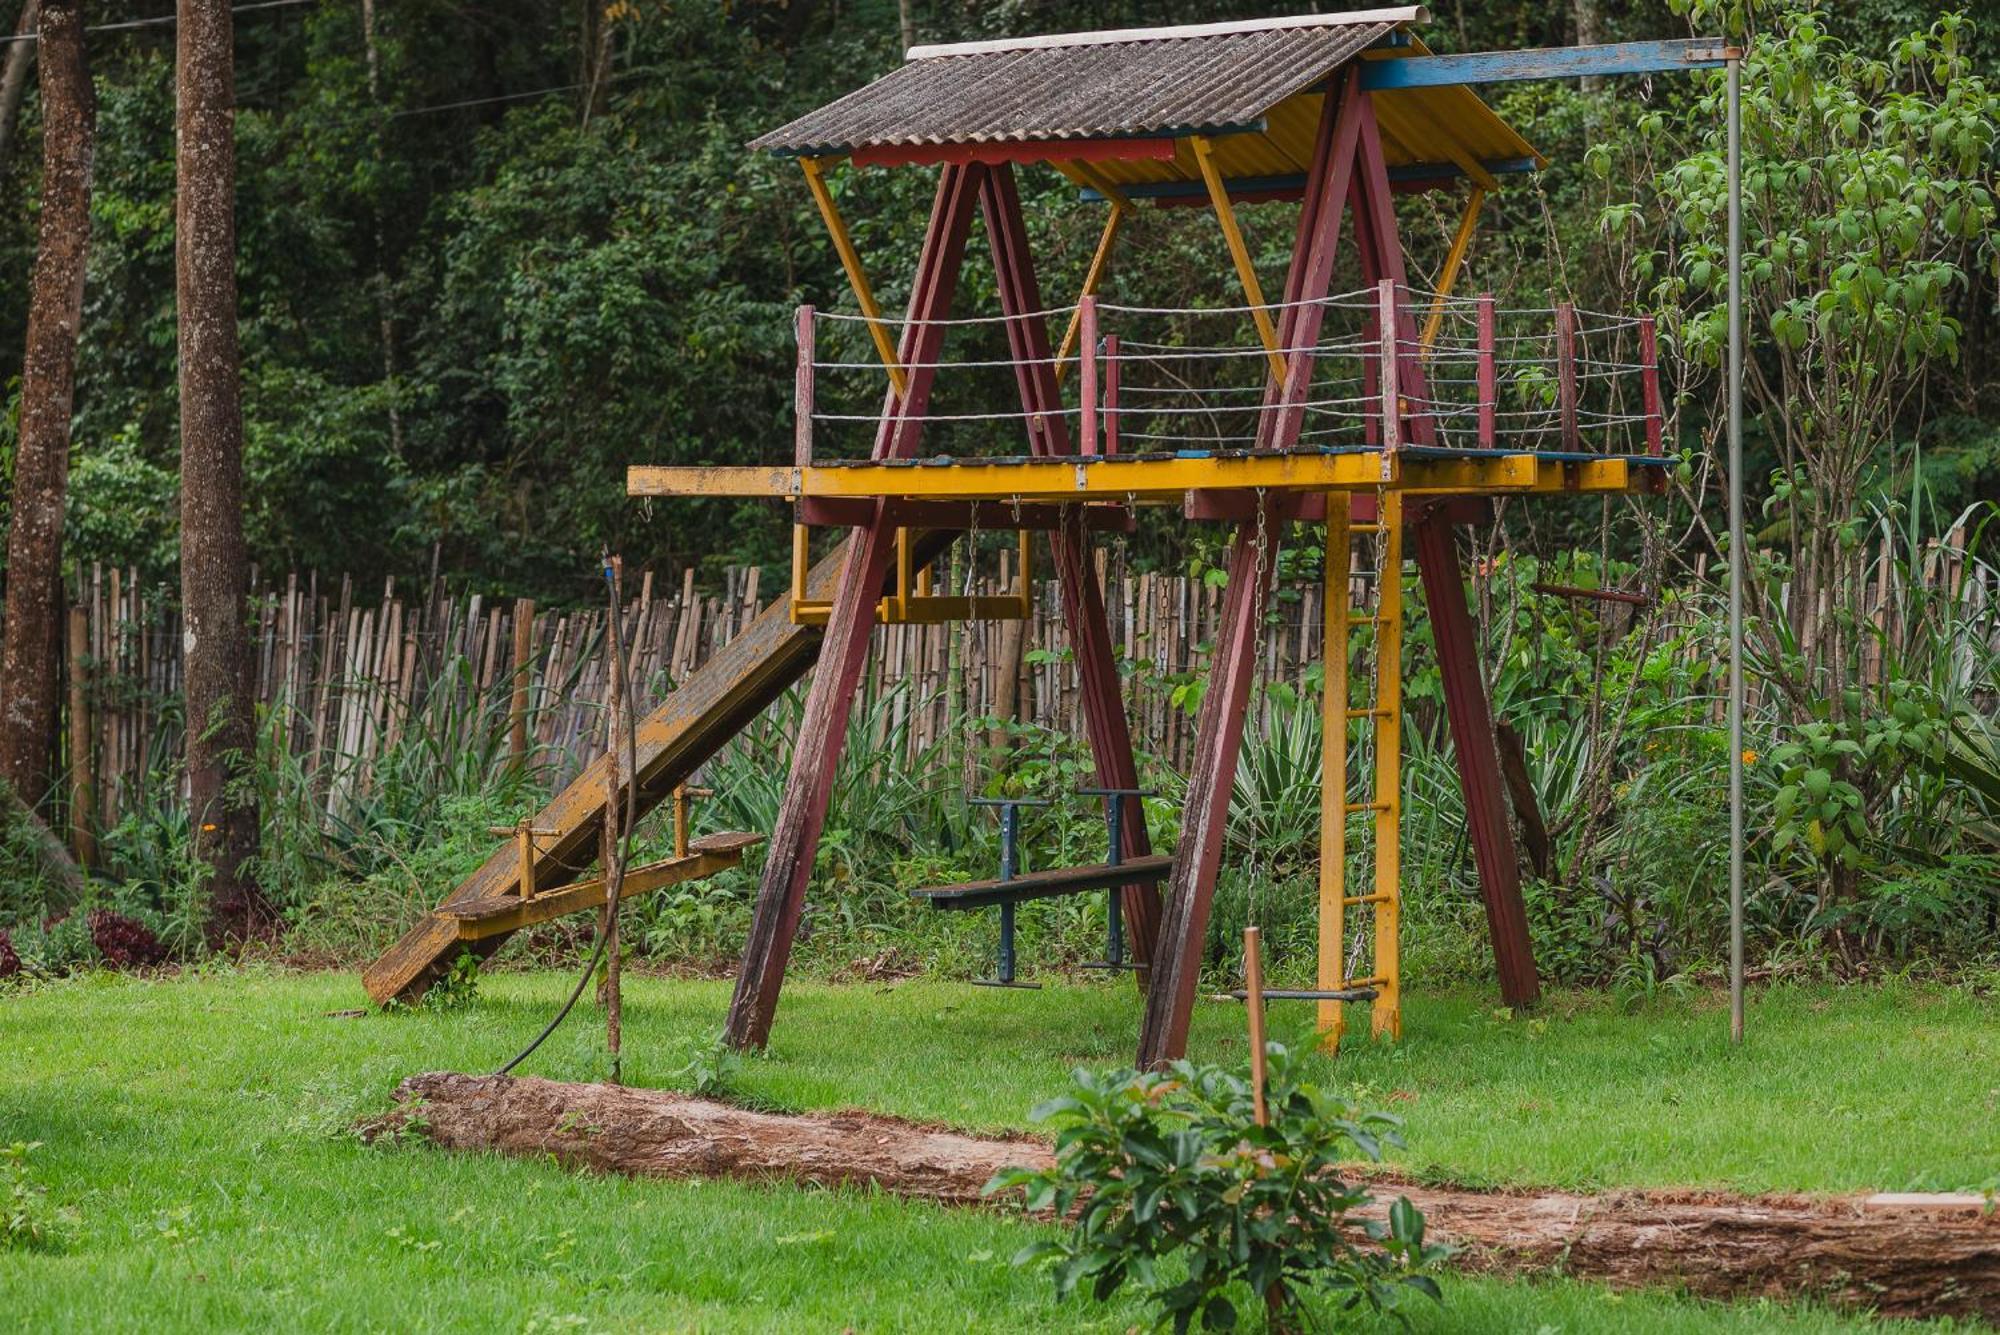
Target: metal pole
<point x="1736" y="552"/>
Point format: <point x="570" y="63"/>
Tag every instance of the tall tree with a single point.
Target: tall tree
<point x="221" y="729"/>
<point x="14" y="76"/>
<point x="29" y="657"/>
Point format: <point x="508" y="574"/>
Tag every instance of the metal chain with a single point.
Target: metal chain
<point x="1261" y="548"/>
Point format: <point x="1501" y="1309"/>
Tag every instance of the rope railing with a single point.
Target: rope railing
<point x="1480" y="377"/>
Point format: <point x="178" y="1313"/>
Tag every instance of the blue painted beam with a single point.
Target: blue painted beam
<point x="1267" y="185"/>
<point x="1555" y="62"/>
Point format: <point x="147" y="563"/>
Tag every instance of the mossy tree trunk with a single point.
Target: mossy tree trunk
<point x="30" y="657"/>
<point x="221" y="733"/>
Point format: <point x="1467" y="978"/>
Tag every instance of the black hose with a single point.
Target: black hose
<point x="614" y="642"/>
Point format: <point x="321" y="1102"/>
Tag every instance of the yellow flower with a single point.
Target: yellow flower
<point x="1749" y="757"/>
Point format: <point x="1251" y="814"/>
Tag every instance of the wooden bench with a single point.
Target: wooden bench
<point x="1048" y="884"/>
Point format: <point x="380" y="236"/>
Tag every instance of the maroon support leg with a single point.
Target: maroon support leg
<point x="844" y="650"/>
<point x="1191" y="889"/>
<point x="1105" y="722"/>
<point x="1170" y="1000"/>
<point x="1478" y="758"/>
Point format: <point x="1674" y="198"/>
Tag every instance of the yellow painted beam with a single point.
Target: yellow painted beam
<point x="1386" y="1015"/>
<point x="857" y="278"/>
<point x="1157" y="479"/>
<point x="1453" y="262"/>
<point x="1093" y="278"/>
<point x="1225" y="213"/>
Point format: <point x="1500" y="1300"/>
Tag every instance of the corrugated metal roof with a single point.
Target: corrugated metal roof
<point x="1147" y="86"/>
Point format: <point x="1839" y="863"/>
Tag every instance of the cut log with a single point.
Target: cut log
<point x="657" y="1133"/>
<point x="1897" y="1254"/>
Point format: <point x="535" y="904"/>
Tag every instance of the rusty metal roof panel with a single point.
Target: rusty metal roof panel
<point x="1106" y="87"/>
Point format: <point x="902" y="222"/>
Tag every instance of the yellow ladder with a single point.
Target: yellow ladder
<point x="1385" y="801"/>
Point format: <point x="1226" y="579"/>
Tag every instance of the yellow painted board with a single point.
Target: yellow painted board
<point x="1149" y="480"/>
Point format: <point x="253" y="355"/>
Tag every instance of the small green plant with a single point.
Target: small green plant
<point x="32" y="1222"/>
<point x="1176" y="1188"/>
<point x="459" y="988"/>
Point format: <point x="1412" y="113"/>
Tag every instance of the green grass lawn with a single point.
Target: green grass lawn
<point x="197" y="1125"/>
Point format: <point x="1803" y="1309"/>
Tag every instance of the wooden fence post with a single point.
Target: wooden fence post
<point x="81" y="803"/>
<point x="524" y="671"/>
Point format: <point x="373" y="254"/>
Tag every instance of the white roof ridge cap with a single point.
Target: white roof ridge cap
<point x="1113" y="36"/>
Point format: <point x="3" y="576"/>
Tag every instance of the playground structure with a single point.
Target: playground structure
<point x="1387" y="414"/>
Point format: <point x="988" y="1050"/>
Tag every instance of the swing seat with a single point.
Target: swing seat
<point x="1309" y="994"/>
<point x="1049" y="884"/>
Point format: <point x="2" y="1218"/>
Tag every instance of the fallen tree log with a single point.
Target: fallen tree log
<point x="1899" y="1255"/>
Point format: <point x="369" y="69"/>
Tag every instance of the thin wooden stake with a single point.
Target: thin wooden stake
<point x="1253" y="970"/>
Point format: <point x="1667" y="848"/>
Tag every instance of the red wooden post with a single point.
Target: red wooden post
<point x="1105" y="722"/>
<point x="1111" y="410"/>
<point x="1205" y="811"/>
<point x="1226" y="705"/>
<point x="1649" y="360"/>
<point x="1392" y="397"/>
<point x="802" y="392"/>
<point x="1086" y="351"/>
<point x="1572" y="437"/>
<point x="1314" y="249"/>
<point x="1478" y="757"/>
<point x="1382" y="257"/>
<point x="794" y="842"/>
<point x="1489" y="373"/>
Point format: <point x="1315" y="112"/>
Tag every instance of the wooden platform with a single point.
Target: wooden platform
<point x="494" y="915"/>
<point x="1048" y="884"/>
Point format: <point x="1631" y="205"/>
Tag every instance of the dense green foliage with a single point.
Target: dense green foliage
<point x="468" y="304"/>
<point x="1181" y="1184"/>
<point x="467" y="309"/>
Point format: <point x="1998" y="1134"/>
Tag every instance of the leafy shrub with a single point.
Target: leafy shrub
<point x="30" y="1220"/>
<point x="125" y="943"/>
<point x="10" y="962"/>
<point x="1172" y="1167"/>
<point x="458" y="989"/>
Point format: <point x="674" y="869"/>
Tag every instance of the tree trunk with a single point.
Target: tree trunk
<point x="1589" y="22"/>
<point x="29" y="657"/>
<point x="221" y="737"/>
<point x="1903" y="1256"/>
<point x="907" y="21"/>
<point x="14" y="78"/>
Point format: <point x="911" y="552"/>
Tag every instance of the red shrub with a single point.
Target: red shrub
<point x="124" y="943"/>
<point x="10" y="962"/>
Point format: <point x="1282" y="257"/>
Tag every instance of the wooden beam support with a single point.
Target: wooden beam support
<point x="1105" y="721"/>
<point x="1454" y="260"/>
<point x="1239" y="252"/>
<point x="1205" y="810"/>
<point x="1093" y="280"/>
<point x="505" y="915"/>
<point x="857" y="277"/>
<point x="1558" y="62"/>
<point x="1478" y="758"/>
<point x="823" y="730"/>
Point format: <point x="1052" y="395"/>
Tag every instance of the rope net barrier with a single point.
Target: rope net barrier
<point x="1471" y="376"/>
